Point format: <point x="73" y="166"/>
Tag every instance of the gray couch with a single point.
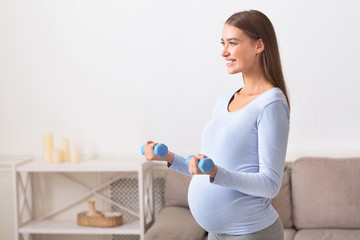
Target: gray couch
<point x="319" y="199"/>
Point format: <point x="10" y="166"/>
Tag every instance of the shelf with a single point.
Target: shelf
<point x="132" y="163"/>
<point x="23" y="175"/>
<point x="71" y="227"/>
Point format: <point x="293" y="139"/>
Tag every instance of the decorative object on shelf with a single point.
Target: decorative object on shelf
<point x="74" y="156"/>
<point x="58" y="155"/>
<point x="65" y="149"/>
<point x="92" y="212"/>
<point x="48" y="146"/>
<point x="56" y="158"/>
<point x="95" y="218"/>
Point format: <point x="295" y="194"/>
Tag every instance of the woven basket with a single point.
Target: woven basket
<point x="108" y="220"/>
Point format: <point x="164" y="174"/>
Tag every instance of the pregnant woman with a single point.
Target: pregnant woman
<point x="246" y="138"/>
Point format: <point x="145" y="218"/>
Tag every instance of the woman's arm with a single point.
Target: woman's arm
<point x="174" y="161"/>
<point x="179" y="165"/>
<point x="273" y="130"/>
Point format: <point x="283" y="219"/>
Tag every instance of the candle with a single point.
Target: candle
<point x="48" y="146"/>
<point x="74" y="156"/>
<point x="56" y="156"/>
<point x="65" y="150"/>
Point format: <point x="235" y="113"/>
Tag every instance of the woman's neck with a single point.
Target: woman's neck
<point x="255" y="84"/>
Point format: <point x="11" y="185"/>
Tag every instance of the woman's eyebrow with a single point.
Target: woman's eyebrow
<point x="230" y="39"/>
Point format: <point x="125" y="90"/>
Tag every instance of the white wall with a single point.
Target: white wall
<point x="111" y="74"/>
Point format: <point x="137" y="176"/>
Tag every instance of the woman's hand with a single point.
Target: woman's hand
<point x="150" y="155"/>
<point x="194" y="169"/>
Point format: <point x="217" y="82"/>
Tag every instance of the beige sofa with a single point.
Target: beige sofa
<point x="319" y="199"/>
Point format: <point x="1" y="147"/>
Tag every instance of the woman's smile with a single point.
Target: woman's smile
<point x="230" y="62"/>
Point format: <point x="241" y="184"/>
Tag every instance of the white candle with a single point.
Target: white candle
<point x="48" y="146"/>
<point x="56" y="156"/>
<point x="74" y="156"/>
<point x="65" y="150"/>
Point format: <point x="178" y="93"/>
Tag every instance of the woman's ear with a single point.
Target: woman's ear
<point x="260" y="46"/>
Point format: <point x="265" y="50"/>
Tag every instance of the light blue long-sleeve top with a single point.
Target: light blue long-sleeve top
<point x="249" y="148"/>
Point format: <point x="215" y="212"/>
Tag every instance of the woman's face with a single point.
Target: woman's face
<point x="239" y="50"/>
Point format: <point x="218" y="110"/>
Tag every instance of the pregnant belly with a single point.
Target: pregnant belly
<point x="219" y="209"/>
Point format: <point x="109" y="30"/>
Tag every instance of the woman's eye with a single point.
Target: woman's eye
<point x="230" y="43"/>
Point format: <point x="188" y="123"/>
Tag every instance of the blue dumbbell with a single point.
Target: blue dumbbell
<point x="160" y="150"/>
<point x="205" y="165"/>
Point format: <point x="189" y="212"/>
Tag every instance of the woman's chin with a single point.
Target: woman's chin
<point x="232" y="71"/>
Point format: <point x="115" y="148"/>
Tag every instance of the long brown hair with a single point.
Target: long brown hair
<point x="257" y="25"/>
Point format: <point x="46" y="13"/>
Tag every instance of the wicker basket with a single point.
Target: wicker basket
<point x="108" y="220"/>
<point x="95" y="218"/>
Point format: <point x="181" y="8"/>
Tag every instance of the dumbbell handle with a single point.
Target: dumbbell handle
<point x="205" y="165"/>
<point x="160" y="150"/>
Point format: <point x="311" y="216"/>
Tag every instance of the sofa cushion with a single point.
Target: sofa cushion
<point x="325" y="193"/>
<point x="327" y="234"/>
<point x="282" y="201"/>
<point x="176" y="189"/>
<point x="289" y="233"/>
<point x="175" y="223"/>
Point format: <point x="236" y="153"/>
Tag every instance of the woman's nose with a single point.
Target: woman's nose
<point x="225" y="52"/>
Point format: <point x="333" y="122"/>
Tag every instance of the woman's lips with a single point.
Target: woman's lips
<point x="230" y="62"/>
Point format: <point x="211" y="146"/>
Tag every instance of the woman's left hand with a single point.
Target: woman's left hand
<point x="194" y="169"/>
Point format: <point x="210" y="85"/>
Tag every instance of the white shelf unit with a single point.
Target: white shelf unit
<point x="26" y="225"/>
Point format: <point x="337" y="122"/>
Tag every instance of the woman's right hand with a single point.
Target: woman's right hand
<point x="150" y="155"/>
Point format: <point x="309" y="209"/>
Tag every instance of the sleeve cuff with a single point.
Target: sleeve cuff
<point x="221" y="172"/>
